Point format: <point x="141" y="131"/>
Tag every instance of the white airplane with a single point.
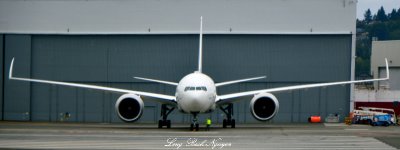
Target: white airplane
<point x="196" y="93"/>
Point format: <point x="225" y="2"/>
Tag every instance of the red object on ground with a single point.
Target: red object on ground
<point x="314" y="119"/>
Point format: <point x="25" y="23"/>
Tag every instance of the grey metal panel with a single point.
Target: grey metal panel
<point x="41" y="102"/>
<point x="170" y="57"/>
<point x="286" y="108"/>
<point x="112" y="60"/>
<point x="1" y="74"/>
<point x="313" y="58"/>
<point x="17" y="94"/>
<point x="66" y="103"/>
<point x="93" y="105"/>
<point x="337" y="100"/>
<point x="79" y="58"/>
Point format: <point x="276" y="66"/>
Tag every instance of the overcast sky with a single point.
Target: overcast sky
<point x="374" y="5"/>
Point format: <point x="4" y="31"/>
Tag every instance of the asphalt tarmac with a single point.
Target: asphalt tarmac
<point x="43" y="135"/>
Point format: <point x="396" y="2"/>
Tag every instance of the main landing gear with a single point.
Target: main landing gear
<point x="228" y="110"/>
<point x="194" y="126"/>
<point x="165" y="111"/>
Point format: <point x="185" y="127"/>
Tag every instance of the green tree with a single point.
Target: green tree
<point x="381" y="15"/>
<point x="379" y="30"/>
<point x="385" y="27"/>
<point x="360" y="24"/>
<point x="397" y="15"/>
<point x="367" y="16"/>
<point x="392" y="15"/>
<point x="362" y="66"/>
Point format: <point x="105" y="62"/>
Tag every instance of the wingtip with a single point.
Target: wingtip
<point x="387" y="69"/>
<point x="11" y="68"/>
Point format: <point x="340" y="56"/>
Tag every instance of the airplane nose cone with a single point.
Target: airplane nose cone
<point x="198" y="103"/>
<point x="195" y="102"/>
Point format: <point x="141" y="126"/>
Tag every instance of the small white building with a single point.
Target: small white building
<point x="391" y="51"/>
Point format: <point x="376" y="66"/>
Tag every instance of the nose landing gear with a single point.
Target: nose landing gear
<point x="194" y="126"/>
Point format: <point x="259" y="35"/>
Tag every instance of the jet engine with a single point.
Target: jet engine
<point x="264" y="106"/>
<point x="129" y="107"/>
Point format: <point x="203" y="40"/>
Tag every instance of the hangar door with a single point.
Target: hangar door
<point x="112" y="60"/>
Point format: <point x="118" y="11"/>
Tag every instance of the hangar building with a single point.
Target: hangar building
<point x="108" y="42"/>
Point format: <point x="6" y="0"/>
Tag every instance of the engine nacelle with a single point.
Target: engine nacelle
<point x="264" y="106"/>
<point x="129" y="107"/>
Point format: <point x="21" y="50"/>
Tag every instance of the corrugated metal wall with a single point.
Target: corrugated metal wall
<point x="17" y="100"/>
<point x="112" y="60"/>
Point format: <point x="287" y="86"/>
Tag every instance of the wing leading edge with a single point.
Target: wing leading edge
<point x="238" y="81"/>
<point x="158" y="81"/>
<point x="163" y="98"/>
<point x="225" y="98"/>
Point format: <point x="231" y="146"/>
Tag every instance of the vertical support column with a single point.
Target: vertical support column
<point x="1" y="76"/>
<point x="17" y="94"/>
<point x="353" y="60"/>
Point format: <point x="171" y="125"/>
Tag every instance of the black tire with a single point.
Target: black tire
<point x="168" y="124"/>
<point x="159" y="124"/>
<point x="224" y="122"/>
<point x="197" y="127"/>
<point x="369" y="121"/>
<point x="386" y="124"/>
<point x="233" y="123"/>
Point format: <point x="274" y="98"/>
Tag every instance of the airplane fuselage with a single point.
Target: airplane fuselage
<point x="196" y="93"/>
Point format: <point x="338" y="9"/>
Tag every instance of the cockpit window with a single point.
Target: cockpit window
<point x="187" y="88"/>
<point x="203" y="88"/>
<point x="192" y="88"/>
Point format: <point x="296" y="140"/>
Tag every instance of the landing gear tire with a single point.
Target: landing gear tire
<point x="159" y="124"/>
<point x="224" y="123"/>
<point x="228" y="110"/>
<point x="168" y="124"/>
<point x="194" y="127"/>
<point x="165" y="111"/>
<point x="162" y="123"/>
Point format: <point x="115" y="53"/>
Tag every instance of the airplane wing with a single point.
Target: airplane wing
<point x="237" y="81"/>
<point x="228" y="97"/>
<point x="158" y="81"/>
<point x="163" y="98"/>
